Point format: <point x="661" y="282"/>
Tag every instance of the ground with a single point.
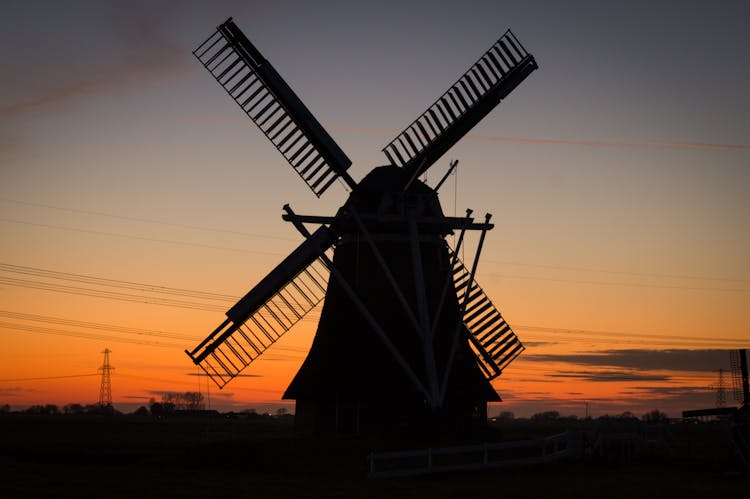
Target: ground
<point x="129" y="456"/>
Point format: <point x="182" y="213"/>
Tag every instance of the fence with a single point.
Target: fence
<point x="476" y="457"/>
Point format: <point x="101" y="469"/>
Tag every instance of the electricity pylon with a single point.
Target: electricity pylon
<point x="105" y="391"/>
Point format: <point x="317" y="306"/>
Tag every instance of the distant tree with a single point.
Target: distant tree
<point x="5" y="409"/>
<point x="43" y="410"/>
<point x="506" y="416"/>
<point x="142" y="411"/>
<point x="249" y="413"/>
<point x="545" y="416"/>
<point x="92" y="409"/>
<point x="73" y="409"/>
<point x="627" y="415"/>
<point x="159" y="409"/>
<point x="191" y="401"/>
<point x="655" y="416"/>
<point x="281" y="411"/>
<point x="34" y="409"/>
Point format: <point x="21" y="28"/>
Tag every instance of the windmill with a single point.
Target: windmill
<point x="406" y="335"/>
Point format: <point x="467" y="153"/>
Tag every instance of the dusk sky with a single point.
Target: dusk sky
<point x="138" y="202"/>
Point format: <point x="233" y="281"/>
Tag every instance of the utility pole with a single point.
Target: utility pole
<point x="105" y="391"/>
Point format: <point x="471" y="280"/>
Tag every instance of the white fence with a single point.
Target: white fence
<point x="475" y="457"/>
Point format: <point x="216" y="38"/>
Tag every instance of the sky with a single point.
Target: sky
<point x="137" y="202"/>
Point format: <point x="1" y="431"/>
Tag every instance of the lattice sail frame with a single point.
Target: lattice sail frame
<point x="489" y="80"/>
<point x="264" y="96"/>
<point x="493" y="341"/>
<point x="278" y="302"/>
<point x="243" y="342"/>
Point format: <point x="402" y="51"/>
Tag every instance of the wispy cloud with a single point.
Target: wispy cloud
<point x="540" y="343"/>
<point x="659" y="360"/>
<point x="139" y="46"/>
<point x="676" y="391"/>
<point x="608" y="376"/>
<point x="13" y="391"/>
<point x="638" y="144"/>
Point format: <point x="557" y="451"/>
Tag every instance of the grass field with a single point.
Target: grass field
<point x="128" y="456"/>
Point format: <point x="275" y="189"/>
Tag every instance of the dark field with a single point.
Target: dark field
<point x="128" y="456"/>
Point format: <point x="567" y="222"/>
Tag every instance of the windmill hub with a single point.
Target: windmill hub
<point x="384" y="206"/>
<point x="405" y="333"/>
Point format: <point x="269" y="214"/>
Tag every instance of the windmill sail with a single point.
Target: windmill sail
<point x="269" y="102"/>
<point x="489" y="80"/>
<point x="494" y="343"/>
<point x="268" y="311"/>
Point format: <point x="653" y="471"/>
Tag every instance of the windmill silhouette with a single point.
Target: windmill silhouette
<point x="406" y="335"/>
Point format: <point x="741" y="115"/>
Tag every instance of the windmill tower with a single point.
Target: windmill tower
<point x="406" y="335"/>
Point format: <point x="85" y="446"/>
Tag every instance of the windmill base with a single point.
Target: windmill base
<point x="355" y="417"/>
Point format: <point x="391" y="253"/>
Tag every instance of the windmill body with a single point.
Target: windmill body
<point x="405" y="334"/>
<point x="350" y="380"/>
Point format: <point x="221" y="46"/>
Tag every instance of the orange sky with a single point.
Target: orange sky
<point x="129" y="182"/>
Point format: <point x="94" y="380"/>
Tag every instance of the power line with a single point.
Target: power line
<point x="116" y="295"/>
<point x="140" y="238"/>
<point x="264" y="236"/>
<point x="40" y="378"/>
<point x="580" y="335"/>
<point x="144" y="220"/>
<point x="619" y="272"/>
<point x="147" y="378"/>
<point x="91" y="336"/>
<point x="638" y="144"/>
<point x="87" y="279"/>
<point x="95" y="325"/>
<point x="632" y="284"/>
<point x="74" y="290"/>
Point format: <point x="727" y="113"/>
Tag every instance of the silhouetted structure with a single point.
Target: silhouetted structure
<point x="105" y="391"/>
<point x="739" y="417"/>
<point x="740" y="389"/>
<point x="721" y="390"/>
<point x="406" y="335"/>
<point x="740" y="385"/>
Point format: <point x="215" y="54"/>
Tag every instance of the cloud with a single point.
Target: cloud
<point x="529" y="380"/>
<point x="12" y="391"/>
<point x="639" y="144"/>
<point x="540" y="343"/>
<point x="660" y="360"/>
<point x="668" y="390"/>
<point x="629" y="144"/>
<point x="609" y="376"/>
<point x="124" y="48"/>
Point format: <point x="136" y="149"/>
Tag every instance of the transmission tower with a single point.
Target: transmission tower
<point x="105" y="391"/>
<point x="721" y="390"/>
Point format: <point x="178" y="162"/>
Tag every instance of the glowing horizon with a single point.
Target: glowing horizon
<point x="137" y="201"/>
